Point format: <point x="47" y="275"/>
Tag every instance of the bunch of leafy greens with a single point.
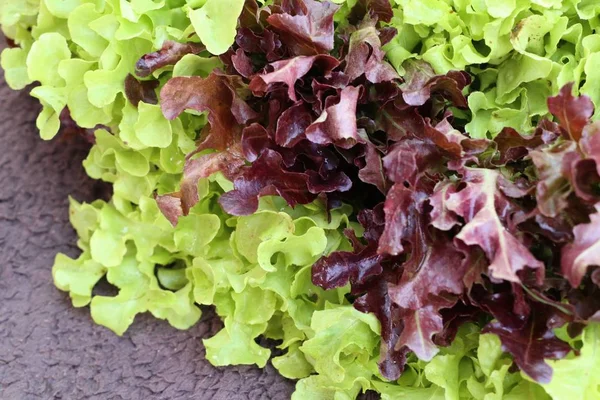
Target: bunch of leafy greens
<point x="504" y="237"/>
<point x="451" y="243"/>
<point x="520" y="52"/>
<point x="305" y="97"/>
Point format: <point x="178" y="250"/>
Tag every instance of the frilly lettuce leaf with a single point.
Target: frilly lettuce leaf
<point x="216" y="22"/>
<point x="578" y="377"/>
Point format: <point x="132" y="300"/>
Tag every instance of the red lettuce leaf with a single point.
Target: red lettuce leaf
<point x="441" y="216"/>
<point x="452" y="142"/>
<point x="170" y="206"/>
<point x="573" y="113"/>
<point x="486" y="206"/>
<point x="402" y="211"/>
<point x="421" y="81"/>
<point x="337" y="124"/>
<point x="419" y="328"/>
<point x="584" y="251"/>
<point x="533" y="343"/>
<point x="373" y="171"/>
<point x="250" y="16"/>
<point x="434" y="268"/>
<point x="265" y="177"/>
<point x="228" y="162"/>
<point x="305" y="26"/>
<point x="242" y="63"/>
<point x="137" y="91"/>
<point x="380" y="9"/>
<point x="292" y="125"/>
<point x="342" y="267"/>
<point x="554" y="166"/>
<point x="289" y="72"/>
<point x="366" y="57"/>
<point x="217" y="94"/>
<point x="169" y="54"/>
<point x="376" y="300"/>
<point x="408" y="159"/>
<point x="512" y="146"/>
<point x="255" y="139"/>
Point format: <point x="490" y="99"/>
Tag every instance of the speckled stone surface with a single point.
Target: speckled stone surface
<point x="50" y="350"/>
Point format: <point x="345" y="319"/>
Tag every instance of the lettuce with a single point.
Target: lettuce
<point x="577" y="377"/>
<point x="520" y="52"/>
<point x="167" y="245"/>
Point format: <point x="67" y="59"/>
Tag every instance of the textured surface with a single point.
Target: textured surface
<point x="50" y="350"/>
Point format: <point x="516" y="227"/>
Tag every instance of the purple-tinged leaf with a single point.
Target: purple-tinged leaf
<point x="419" y="328"/>
<point x="573" y="113"/>
<point x="217" y="94"/>
<point x="435" y="267"/>
<point x="228" y="162"/>
<point x="169" y="54"/>
<point x="532" y="344"/>
<point x="585" y="180"/>
<point x="380" y="9"/>
<point x="589" y="174"/>
<point x="403" y="210"/>
<point x="250" y="16"/>
<point x="407" y="159"/>
<point x="242" y="63"/>
<point x="584" y="252"/>
<point x="453" y="142"/>
<point x="386" y="34"/>
<point x="289" y="72"/>
<point x="137" y="91"/>
<point x="511" y="146"/>
<point x="341" y="267"/>
<point x="485" y="206"/>
<point x="170" y="206"/>
<point x="400" y="122"/>
<point x="554" y="168"/>
<point x="337" y="124"/>
<point x="590" y="143"/>
<point x="373" y="221"/>
<point x="376" y="300"/>
<point x="373" y="172"/>
<point x="454" y="317"/>
<point x="265" y="44"/>
<point x="335" y="181"/>
<point x="441" y="217"/>
<point x="421" y="81"/>
<point x="366" y="57"/>
<point x="306" y="26"/>
<point x="263" y="178"/>
<point x="292" y="124"/>
<point x="549" y="131"/>
<point x="255" y="139"/>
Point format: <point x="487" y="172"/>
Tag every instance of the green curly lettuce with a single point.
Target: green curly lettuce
<point x="578" y="377"/>
<point x="520" y="52"/>
<point x="81" y="51"/>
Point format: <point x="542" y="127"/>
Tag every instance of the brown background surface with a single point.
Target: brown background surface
<point x="50" y="350"/>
